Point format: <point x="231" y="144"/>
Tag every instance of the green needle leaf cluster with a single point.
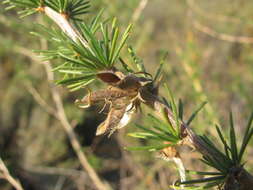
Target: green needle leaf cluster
<point x="222" y="160"/>
<point x="73" y="9"/>
<point x="159" y="131"/>
<point x="163" y="131"/>
<point x="80" y="61"/>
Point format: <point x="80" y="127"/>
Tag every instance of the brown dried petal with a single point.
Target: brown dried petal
<point x="102" y="95"/>
<point x="170" y="152"/>
<point x="110" y="77"/>
<point x="130" y="82"/>
<point x="118" y="112"/>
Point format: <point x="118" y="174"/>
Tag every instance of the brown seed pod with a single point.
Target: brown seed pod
<point x="111" y="94"/>
<point x="118" y="117"/>
<point x="110" y="76"/>
<point x="124" y="95"/>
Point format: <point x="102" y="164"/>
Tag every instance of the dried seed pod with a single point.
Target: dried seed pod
<point x="130" y="82"/>
<point x="111" y="77"/>
<point x="118" y="117"/>
<point x="99" y="96"/>
<point x="170" y="152"/>
<point x="124" y="95"/>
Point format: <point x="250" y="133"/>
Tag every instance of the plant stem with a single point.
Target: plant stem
<point x="65" y="25"/>
<point x="69" y="131"/>
<point x="4" y="172"/>
<point x="241" y="177"/>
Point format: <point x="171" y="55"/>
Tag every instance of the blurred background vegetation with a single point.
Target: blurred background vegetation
<point x="210" y="58"/>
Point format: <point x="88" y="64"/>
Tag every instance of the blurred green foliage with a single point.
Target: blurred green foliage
<point x="198" y="68"/>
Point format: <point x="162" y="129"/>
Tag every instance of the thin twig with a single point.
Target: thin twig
<point x="37" y="97"/>
<point x="55" y="171"/>
<point x="223" y="18"/>
<point x="138" y="10"/>
<point x="68" y="128"/>
<point x="181" y="169"/>
<point x="211" y="32"/>
<point x="28" y="53"/>
<point x="5" y="174"/>
<point x="61" y="116"/>
<point x="222" y="36"/>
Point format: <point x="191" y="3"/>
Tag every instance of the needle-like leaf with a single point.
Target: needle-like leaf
<point x="233" y="144"/>
<point x="247" y="136"/>
<point x="195" y="113"/>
